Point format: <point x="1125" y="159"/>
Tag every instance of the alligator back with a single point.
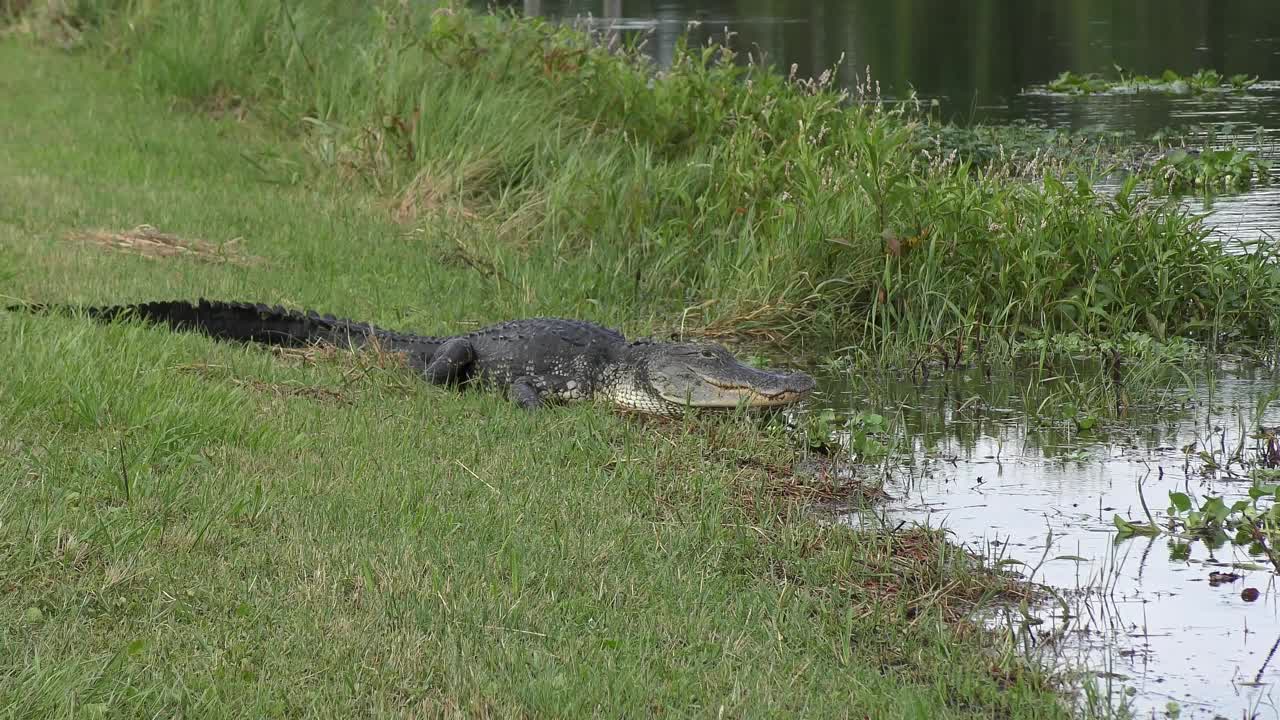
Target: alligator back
<point x="544" y="347"/>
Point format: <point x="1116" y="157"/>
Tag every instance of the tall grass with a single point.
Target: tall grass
<point x="769" y="205"/>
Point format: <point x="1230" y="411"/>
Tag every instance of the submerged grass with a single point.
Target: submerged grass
<point x="210" y="530"/>
<point x="729" y="196"/>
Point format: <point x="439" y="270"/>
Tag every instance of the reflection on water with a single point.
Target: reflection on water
<point x="975" y="56"/>
<point x="977" y="59"/>
<point x="1043" y="493"/>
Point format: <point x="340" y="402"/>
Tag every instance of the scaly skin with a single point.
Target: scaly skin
<point x="536" y="361"/>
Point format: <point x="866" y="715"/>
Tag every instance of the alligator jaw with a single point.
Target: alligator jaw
<point x="745" y="398"/>
<point x="772" y="390"/>
<point x="798" y="385"/>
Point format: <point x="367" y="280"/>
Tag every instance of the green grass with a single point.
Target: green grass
<point x="189" y="528"/>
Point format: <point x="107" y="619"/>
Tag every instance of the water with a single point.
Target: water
<point x="1040" y="495"/>
<point x="980" y="58"/>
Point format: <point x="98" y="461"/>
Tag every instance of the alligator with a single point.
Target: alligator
<point x="536" y="360"/>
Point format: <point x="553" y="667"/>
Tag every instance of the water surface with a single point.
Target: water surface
<point x="976" y="56"/>
<point x="1039" y="494"/>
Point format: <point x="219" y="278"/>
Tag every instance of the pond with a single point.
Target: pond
<point x="982" y="459"/>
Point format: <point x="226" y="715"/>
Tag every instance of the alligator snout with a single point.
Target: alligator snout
<point x="743" y="383"/>
<point x="795" y="383"/>
<point x="764" y="382"/>
<point x="785" y="387"/>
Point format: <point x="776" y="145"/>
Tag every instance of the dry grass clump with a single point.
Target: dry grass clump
<point x="431" y="193"/>
<point x="52" y="22"/>
<point x="147" y="241"/>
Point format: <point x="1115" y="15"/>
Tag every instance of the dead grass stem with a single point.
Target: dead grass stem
<point x="149" y="242"/>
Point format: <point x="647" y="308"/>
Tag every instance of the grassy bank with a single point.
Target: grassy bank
<point x="713" y="195"/>
<point x="212" y="531"/>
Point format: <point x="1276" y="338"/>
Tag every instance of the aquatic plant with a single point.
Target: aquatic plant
<point x="864" y="436"/>
<point x="1168" y="82"/>
<point x="1139" y="347"/>
<point x="1079" y="83"/>
<point x="1251" y="522"/>
<point x="1207" y="171"/>
<point x="1025" y="149"/>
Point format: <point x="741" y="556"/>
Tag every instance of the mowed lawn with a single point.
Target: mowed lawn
<point x="196" y="529"/>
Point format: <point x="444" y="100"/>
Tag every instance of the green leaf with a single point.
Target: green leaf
<point x="1128" y="527"/>
<point x="1181" y="501"/>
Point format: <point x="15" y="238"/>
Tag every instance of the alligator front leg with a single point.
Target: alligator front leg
<point x="526" y="394"/>
<point x="450" y="363"/>
<point x="532" y="391"/>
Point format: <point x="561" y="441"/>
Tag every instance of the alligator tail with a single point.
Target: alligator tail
<point x="250" y="322"/>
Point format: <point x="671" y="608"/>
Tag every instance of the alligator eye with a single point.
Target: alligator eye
<point x="707" y="354"/>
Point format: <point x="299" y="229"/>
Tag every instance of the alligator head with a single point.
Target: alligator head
<point x="664" y="377"/>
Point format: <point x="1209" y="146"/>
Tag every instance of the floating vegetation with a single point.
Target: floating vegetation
<point x="1207" y="171"/>
<point x="1252" y="522"/>
<point x="1171" y="162"/>
<point x="1024" y="149"/>
<point x="1134" y="347"/>
<point x="1168" y="82"/>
